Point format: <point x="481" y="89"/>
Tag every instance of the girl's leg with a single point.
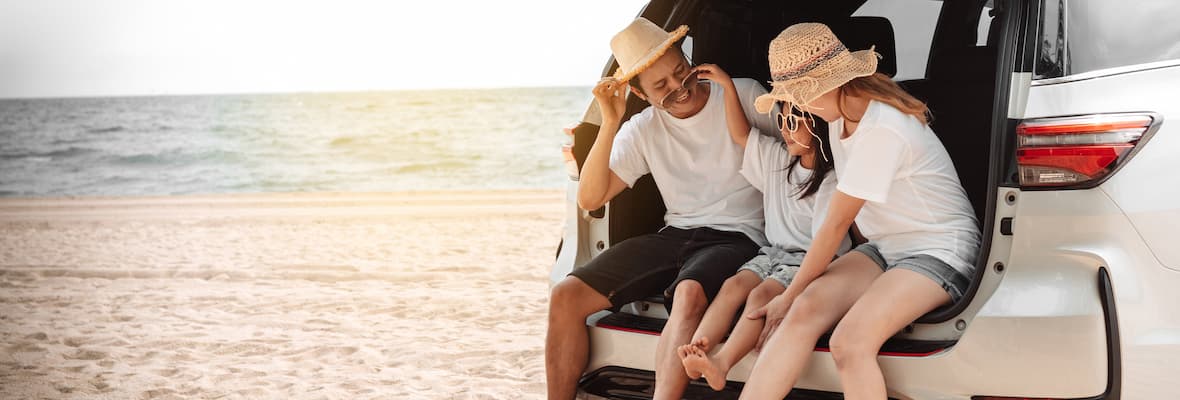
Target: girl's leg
<point x="816" y="310"/>
<point x="743" y="338"/>
<point x="894" y="300"/>
<point x="719" y="317"/>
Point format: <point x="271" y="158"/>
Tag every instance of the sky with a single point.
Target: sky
<point x="68" y="48"/>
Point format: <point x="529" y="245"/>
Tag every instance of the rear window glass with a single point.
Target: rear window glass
<point x="1078" y="36"/>
<point x="913" y="27"/>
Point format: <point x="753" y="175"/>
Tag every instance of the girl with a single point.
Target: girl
<point x="898" y="184"/>
<point x="793" y="175"/>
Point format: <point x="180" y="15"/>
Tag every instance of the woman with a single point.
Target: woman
<point x="896" y="181"/>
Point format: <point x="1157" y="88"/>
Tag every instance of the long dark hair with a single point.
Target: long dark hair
<point x="820" y="167"/>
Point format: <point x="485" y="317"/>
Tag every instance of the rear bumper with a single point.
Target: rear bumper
<point x="1022" y="343"/>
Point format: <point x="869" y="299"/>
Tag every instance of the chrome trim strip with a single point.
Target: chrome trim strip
<point x="1107" y="72"/>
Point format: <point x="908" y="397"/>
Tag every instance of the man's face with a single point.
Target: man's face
<point x="662" y="83"/>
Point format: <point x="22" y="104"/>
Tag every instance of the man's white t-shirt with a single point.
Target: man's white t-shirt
<point x="695" y="163"/>
<point x="914" y="203"/>
<point x="791" y="222"/>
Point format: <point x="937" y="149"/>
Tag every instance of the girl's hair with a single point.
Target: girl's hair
<point x="821" y="166"/>
<point x="879" y="87"/>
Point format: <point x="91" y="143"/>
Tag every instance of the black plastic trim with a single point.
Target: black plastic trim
<point x="622" y="383"/>
<point x="1114" y="355"/>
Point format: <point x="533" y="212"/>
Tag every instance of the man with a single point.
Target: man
<point x="714" y="218"/>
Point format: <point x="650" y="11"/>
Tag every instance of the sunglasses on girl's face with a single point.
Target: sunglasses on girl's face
<point x="687" y="83"/>
<point x="790" y="120"/>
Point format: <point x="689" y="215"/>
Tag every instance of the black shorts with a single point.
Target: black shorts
<point x="655" y="263"/>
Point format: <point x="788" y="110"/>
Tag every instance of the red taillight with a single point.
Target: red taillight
<point x="567" y="153"/>
<point x="1074" y="151"/>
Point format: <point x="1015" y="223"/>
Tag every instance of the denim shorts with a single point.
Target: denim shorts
<point x="761" y="265"/>
<point x="951" y="280"/>
<point x="655" y="263"/>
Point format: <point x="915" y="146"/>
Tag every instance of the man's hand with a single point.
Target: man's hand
<point x="774" y="312"/>
<point x="611" y="95"/>
<point x="714" y="73"/>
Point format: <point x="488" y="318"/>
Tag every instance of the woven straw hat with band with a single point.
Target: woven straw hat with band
<point x="640" y="45"/>
<point x="806" y="61"/>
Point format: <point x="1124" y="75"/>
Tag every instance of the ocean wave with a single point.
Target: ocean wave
<point x="109" y="129"/>
<point x="71" y="152"/>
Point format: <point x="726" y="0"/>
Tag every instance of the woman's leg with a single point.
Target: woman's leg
<point x="715" y="368"/>
<point x="816" y="310"/>
<point x="894" y="300"/>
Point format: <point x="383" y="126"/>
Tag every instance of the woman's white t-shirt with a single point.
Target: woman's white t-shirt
<point x="791" y="222"/>
<point x="695" y="163"/>
<point x="914" y="203"/>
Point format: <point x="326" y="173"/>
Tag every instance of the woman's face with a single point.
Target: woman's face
<point x="825" y="106"/>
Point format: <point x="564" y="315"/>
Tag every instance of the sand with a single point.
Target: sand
<point x="432" y="295"/>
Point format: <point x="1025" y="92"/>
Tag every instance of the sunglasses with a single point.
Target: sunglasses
<point x="791" y="119"/>
<point x="689" y="81"/>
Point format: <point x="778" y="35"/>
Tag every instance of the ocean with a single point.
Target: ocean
<point x="307" y="142"/>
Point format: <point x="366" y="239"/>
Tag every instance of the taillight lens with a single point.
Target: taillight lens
<point x="1076" y="151"/>
<point x="567" y="153"/>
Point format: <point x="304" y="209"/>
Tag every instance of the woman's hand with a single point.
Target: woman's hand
<point x="611" y="95"/>
<point x="714" y="73"/>
<point x="774" y="312"/>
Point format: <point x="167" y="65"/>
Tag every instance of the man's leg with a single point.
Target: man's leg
<point x="686" y="315"/>
<point x="567" y="345"/>
<point x="628" y="271"/>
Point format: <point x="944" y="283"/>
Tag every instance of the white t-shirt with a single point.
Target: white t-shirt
<point x="695" y="163"/>
<point x="791" y="222"/>
<point x="914" y="203"/>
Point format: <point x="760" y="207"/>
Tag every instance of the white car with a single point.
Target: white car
<point x="1060" y="117"/>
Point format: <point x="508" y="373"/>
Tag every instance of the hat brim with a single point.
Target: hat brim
<point x="807" y="88"/>
<point x="625" y="74"/>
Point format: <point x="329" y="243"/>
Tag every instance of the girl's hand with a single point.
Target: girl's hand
<point x="714" y="73"/>
<point x="774" y="312"/>
<point x="611" y="95"/>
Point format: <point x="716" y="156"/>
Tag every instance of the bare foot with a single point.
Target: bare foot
<point x="685" y="351"/>
<point x="703" y="344"/>
<point x="700" y="362"/>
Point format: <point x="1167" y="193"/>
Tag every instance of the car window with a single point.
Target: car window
<point x="1078" y="36"/>
<point x="913" y="29"/>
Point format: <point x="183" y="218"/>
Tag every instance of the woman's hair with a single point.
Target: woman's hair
<point x="821" y="166"/>
<point x="879" y="87"/>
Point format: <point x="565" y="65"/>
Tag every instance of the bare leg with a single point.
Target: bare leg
<point x="817" y="309"/>
<point x="567" y="343"/>
<point x="894" y="300"/>
<point x="719" y="317"/>
<point x="687" y="309"/>
<point x="745" y="335"/>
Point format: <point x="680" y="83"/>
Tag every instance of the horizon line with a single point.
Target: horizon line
<point x="283" y="92"/>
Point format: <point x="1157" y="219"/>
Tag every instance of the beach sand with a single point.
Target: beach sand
<point x="430" y="295"/>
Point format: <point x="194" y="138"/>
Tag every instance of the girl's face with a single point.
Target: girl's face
<point x="800" y="142"/>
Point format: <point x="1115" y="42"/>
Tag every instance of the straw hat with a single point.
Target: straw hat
<point x="640" y="45"/>
<point x="806" y="61"/>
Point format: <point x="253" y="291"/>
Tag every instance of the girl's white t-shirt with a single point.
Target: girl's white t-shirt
<point x="791" y="222"/>
<point x="914" y="203"/>
<point x="695" y="163"/>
